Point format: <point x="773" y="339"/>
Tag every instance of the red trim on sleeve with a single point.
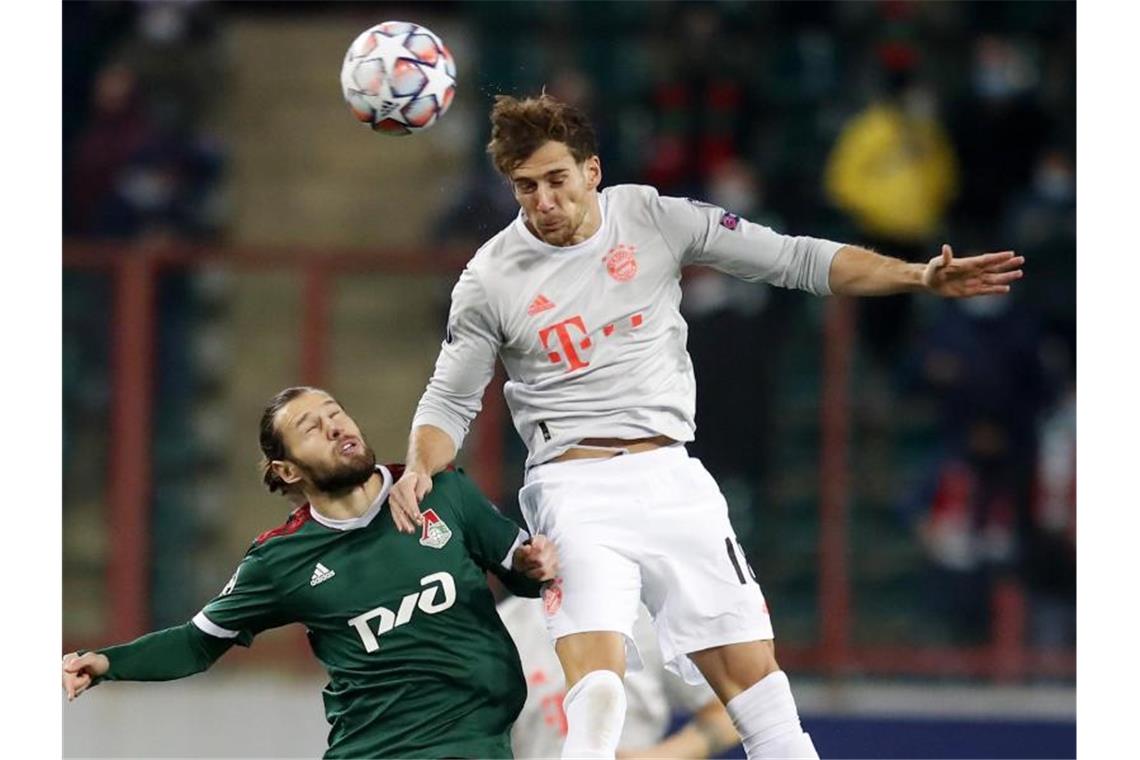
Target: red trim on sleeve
<point x="297" y="518"/>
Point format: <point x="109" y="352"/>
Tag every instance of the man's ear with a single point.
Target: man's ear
<point x="286" y="471"/>
<point x="592" y="168"/>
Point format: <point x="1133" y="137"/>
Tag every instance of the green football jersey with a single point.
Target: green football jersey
<point x="419" y="663"/>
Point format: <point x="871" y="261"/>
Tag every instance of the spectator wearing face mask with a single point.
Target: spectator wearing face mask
<point x="893" y="173"/>
<point x="999" y="129"/>
<point x="973" y="509"/>
<point x="1043" y="223"/>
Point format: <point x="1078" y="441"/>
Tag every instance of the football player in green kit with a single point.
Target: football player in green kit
<point x="419" y="663"/>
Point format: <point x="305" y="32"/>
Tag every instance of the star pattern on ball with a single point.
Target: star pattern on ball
<point x="398" y="77"/>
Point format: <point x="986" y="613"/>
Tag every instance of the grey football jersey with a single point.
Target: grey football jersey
<point x="591" y="335"/>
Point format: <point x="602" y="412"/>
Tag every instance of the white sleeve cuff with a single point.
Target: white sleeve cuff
<point x="205" y="625"/>
<point x="520" y="539"/>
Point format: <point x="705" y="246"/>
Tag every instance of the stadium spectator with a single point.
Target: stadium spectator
<point x="999" y="130"/>
<point x="1043" y="219"/>
<point x="1051" y="553"/>
<point x="980" y="360"/>
<point x="893" y="172"/>
<point x="117" y="130"/>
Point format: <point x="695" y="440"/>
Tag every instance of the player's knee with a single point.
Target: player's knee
<point x="766" y="656"/>
<point x="603" y="689"/>
<point x="732" y="668"/>
<point x="595" y="713"/>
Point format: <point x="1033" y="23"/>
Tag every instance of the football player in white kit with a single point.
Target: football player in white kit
<point x="579" y="298"/>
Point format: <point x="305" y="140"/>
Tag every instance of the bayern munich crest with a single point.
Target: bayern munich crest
<point x="435" y="532"/>
<point x="620" y="262"/>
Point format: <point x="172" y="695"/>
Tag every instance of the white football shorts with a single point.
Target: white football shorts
<point x="652" y="526"/>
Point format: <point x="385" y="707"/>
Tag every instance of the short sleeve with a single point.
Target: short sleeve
<point x="246" y="606"/>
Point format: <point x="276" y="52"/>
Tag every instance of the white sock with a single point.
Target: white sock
<point x="595" y="712"/>
<point x="765" y="716"/>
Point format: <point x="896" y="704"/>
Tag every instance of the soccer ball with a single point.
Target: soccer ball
<point x="398" y="77"/>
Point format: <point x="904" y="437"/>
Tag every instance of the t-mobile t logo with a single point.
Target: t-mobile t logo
<point x="566" y="341"/>
<point x="569" y="342"/>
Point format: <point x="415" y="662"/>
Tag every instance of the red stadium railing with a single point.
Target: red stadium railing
<point x="134" y="272"/>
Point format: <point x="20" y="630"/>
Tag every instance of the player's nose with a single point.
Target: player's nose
<point x="544" y="200"/>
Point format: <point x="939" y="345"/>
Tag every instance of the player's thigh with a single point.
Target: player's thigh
<point x="599" y="581"/>
<point x="597" y="590"/>
<point x="696" y="581"/>
<point x="732" y="668"/>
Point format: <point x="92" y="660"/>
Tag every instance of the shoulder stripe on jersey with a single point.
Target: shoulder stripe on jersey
<point x="205" y="625"/>
<point x="297" y="518"/>
<point x="508" y="561"/>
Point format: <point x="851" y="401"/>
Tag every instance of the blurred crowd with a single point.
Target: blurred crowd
<point x="896" y="125"/>
<point x="144" y="167"/>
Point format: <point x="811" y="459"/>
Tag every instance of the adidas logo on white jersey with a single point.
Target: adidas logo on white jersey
<point x="321" y="574"/>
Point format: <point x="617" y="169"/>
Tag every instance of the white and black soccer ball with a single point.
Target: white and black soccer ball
<point x="398" y="77"/>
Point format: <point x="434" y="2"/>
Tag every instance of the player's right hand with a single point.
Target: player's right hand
<point x="404" y="500"/>
<point x="80" y="670"/>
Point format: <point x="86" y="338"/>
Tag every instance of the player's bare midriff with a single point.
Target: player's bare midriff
<point x="604" y="448"/>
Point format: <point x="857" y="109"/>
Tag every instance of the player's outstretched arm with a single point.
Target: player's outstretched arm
<point x="856" y="271"/>
<point x="430" y="450"/>
<point x="82" y="671"/>
<point x="159" y="656"/>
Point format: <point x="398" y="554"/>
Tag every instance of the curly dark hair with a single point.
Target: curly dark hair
<point x="520" y="127"/>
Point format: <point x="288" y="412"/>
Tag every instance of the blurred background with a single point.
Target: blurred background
<point x="901" y="471"/>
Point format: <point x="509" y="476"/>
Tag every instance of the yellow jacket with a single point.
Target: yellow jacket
<point x="893" y="173"/>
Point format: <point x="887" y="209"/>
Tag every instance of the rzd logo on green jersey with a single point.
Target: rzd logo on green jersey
<point x="425" y="600"/>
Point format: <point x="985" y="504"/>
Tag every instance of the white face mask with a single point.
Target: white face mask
<point x="985" y="307"/>
<point x="1054" y="184"/>
<point x="147" y="188"/>
<point x="919" y="103"/>
<point x="162" y="23"/>
<point x="734" y="193"/>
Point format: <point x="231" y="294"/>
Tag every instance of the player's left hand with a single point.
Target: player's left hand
<point x="537" y="559"/>
<point x="80" y="672"/>
<point x="986" y="274"/>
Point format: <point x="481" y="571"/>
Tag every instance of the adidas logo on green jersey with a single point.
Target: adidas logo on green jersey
<point x="321" y="574"/>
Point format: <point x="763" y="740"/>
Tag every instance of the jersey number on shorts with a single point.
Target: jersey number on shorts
<point x="731" y="546"/>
